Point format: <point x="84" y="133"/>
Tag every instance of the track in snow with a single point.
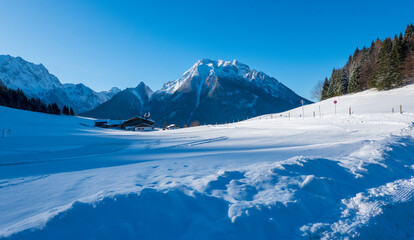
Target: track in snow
<point x="196" y="143"/>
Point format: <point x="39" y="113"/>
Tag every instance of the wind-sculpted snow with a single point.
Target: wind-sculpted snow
<point x="284" y="200"/>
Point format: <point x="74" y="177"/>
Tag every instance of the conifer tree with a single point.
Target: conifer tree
<point x="49" y="109"/>
<point x="55" y="109"/>
<point x="408" y="46"/>
<point x="395" y="63"/>
<point x="340" y="82"/>
<point x="382" y="77"/>
<point x="325" y="87"/>
<point x="331" y="87"/>
<point x="65" y="110"/>
<point x="354" y="84"/>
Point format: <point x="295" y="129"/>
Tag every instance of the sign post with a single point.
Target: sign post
<point x="303" y="111"/>
<point x="335" y="102"/>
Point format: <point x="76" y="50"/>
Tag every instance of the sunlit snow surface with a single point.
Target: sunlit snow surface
<point x="273" y="177"/>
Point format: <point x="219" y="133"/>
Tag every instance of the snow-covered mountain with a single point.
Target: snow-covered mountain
<point x="209" y="92"/>
<point x="36" y="81"/>
<point x="127" y="103"/>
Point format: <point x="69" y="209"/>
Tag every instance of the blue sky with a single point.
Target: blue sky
<point x="120" y="43"/>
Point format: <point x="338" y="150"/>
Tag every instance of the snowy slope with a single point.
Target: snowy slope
<point x="369" y="101"/>
<point x="273" y="177"/>
<point x="36" y="81"/>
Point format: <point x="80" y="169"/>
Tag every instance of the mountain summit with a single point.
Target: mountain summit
<point x="36" y="81"/>
<point x="209" y="92"/>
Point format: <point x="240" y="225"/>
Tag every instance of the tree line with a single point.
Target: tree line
<point x="17" y="99"/>
<point x="386" y="64"/>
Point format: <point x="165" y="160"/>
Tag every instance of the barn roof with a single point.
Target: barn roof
<point x="115" y="122"/>
<point x="132" y="120"/>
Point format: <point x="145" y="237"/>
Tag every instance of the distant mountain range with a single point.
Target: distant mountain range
<point x="209" y="92"/>
<point x="36" y="81"/>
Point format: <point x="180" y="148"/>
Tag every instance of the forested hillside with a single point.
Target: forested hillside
<point x="386" y="64"/>
<point x="17" y="99"/>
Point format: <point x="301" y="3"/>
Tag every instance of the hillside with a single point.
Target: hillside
<point x="323" y="177"/>
<point x="386" y="64"/>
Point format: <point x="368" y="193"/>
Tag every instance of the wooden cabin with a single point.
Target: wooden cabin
<point x="135" y="122"/>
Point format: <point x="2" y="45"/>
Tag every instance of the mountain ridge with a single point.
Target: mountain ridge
<point x="36" y="81"/>
<point x="210" y="91"/>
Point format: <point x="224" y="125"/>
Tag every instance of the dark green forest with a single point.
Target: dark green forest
<point x="386" y="64"/>
<point x="17" y="99"/>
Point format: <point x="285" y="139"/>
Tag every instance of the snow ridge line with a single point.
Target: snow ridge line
<point x="403" y="195"/>
<point x="354" y="216"/>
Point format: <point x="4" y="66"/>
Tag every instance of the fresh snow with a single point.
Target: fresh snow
<point x="206" y="68"/>
<point x="36" y="81"/>
<point x="272" y="177"/>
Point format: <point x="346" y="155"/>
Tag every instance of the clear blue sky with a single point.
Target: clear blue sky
<point x="104" y="43"/>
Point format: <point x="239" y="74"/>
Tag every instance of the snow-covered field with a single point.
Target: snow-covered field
<point x="272" y="177"/>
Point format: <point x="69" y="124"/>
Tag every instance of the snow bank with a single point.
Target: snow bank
<point x="261" y="201"/>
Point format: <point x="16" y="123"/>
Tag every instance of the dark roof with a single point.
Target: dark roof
<point x="136" y="121"/>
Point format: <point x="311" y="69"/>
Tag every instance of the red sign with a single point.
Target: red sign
<point x="335" y="102"/>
